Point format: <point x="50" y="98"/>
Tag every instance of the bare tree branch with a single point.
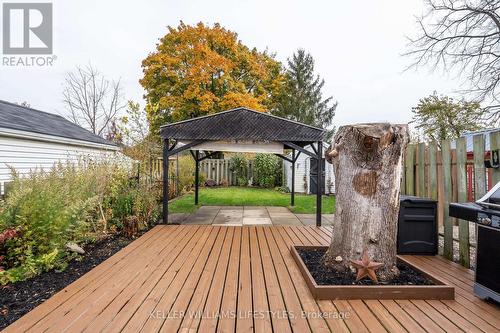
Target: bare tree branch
<point x="93" y="101"/>
<point x="463" y="35"/>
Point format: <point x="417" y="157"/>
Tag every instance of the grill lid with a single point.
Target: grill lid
<point x="491" y="199"/>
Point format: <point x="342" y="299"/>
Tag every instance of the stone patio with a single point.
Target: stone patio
<point x="247" y="215"/>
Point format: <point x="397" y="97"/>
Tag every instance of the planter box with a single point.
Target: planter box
<point x="333" y="292"/>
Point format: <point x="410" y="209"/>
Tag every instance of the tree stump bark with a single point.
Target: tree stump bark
<point x="367" y="161"/>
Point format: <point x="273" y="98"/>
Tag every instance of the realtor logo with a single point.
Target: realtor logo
<point x="27" y="28"/>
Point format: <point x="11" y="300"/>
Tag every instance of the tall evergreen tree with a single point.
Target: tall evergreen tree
<point x="302" y="98"/>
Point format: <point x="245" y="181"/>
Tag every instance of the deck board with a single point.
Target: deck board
<point x="192" y="278"/>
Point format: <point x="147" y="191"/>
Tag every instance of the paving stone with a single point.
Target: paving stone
<point x="307" y="219"/>
<point x="228" y="225"/>
<point x="286" y="221"/>
<point x="228" y="218"/>
<point x="232" y="207"/>
<point x="254" y="207"/>
<point x="178" y="217"/>
<point x="250" y="215"/>
<point x="208" y="209"/>
<point x="231" y="213"/>
<point x="256" y="220"/>
<point x="273" y="209"/>
<point x="328" y="217"/>
<point x="198" y="220"/>
<point x="282" y="216"/>
<point x="256" y="213"/>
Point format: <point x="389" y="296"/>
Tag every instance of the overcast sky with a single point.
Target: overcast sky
<point x="357" y="46"/>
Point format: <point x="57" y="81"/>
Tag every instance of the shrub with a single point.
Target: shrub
<point x="134" y="202"/>
<point x="48" y="210"/>
<point x="186" y="174"/>
<point x="282" y="189"/>
<point x="267" y="170"/>
<point x="69" y="203"/>
<point x="239" y="166"/>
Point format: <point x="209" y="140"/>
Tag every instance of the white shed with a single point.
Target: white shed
<point x="32" y="139"/>
<point x="304" y="181"/>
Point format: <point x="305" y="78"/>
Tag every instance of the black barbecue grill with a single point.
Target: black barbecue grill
<point x="485" y="212"/>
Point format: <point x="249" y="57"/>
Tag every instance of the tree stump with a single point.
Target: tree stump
<point x="367" y="161"/>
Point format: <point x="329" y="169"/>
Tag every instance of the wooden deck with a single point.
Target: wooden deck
<point x="208" y="278"/>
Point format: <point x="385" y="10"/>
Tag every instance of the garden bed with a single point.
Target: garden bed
<point x="21" y="297"/>
<point x="413" y="282"/>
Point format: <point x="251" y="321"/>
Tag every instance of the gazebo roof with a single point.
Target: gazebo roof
<point x="242" y="124"/>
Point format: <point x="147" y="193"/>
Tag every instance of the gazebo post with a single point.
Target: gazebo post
<point x="319" y="181"/>
<point x="196" y="176"/>
<point x="165" y="180"/>
<point x="293" y="179"/>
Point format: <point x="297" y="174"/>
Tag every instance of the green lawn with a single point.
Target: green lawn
<point x="246" y="196"/>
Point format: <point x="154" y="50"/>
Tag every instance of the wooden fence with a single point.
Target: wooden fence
<point x="151" y="172"/>
<point x="219" y="170"/>
<point x="449" y="172"/>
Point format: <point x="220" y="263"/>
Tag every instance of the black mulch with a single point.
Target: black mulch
<point x="325" y="276"/>
<point x="19" y="298"/>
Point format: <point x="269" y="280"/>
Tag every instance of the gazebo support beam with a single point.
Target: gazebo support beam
<point x="196" y="176"/>
<point x="186" y="146"/>
<point x="165" y="180"/>
<point x="313" y="148"/>
<point x="167" y="152"/>
<point x="292" y="198"/>
<point x="319" y="181"/>
<point x="299" y="148"/>
<point x="292" y="161"/>
<point x="284" y="158"/>
<point x="208" y="155"/>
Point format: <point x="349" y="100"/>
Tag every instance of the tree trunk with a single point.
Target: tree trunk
<point x="367" y="161"/>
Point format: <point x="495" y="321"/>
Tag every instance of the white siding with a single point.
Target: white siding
<point x="25" y="155"/>
<point x="302" y="167"/>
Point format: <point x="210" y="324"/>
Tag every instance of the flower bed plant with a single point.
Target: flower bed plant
<point x="74" y="203"/>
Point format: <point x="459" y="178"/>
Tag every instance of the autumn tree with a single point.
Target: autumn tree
<point x="302" y="97"/>
<point x="199" y="70"/>
<point x="441" y="117"/>
<point x="92" y="100"/>
<point x="134" y="128"/>
<point x="133" y="124"/>
<point x="463" y="35"/>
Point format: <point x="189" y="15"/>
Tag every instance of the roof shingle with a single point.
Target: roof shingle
<point x="242" y="124"/>
<point x="17" y="117"/>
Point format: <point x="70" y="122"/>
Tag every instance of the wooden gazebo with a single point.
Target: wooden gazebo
<point x="243" y="130"/>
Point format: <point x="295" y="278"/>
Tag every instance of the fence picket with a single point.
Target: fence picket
<point x="479" y="169"/>
<point x="448" y="227"/>
<point x="219" y="170"/>
<point x="463" y="230"/>
<point x="433" y="183"/>
<point x="421" y="170"/>
<point x="409" y="170"/>
<point x="448" y="175"/>
<point x="217" y="178"/>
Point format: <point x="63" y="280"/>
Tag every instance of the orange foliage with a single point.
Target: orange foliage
<point x="199" y="70"/>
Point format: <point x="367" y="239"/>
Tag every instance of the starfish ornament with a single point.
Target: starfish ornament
<point x="366" y="267"/>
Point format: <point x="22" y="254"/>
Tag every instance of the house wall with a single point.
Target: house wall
<point x="302" y="167"/>
<point x="28" y="154"/>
